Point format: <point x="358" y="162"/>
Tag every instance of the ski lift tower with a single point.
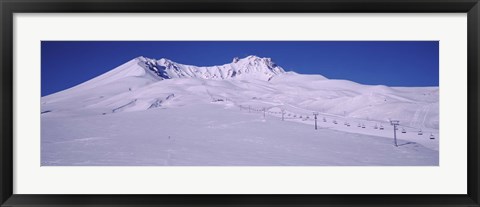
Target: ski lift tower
<point x="315" y="115"/>
<point x="395" y="123"/>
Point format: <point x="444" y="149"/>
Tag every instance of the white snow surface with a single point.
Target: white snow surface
<point x="159" y="112"/>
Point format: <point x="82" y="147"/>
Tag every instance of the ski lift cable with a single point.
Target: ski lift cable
<point x="304" y="116"/>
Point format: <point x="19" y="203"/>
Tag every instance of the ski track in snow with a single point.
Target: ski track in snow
<point x="426" y="110"/>
<point x="420" y="116"/>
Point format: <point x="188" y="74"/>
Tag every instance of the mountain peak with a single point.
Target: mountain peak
<point x="250" y="67"/>
<point x="254" y="58"/>
<point x="235" y="60"/>
<point x="251" y="58"/>
<point x="165" y="61"/>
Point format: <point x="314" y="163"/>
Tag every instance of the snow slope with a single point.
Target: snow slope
<point x="214" y="135"/>
<point x="224" y="106"/>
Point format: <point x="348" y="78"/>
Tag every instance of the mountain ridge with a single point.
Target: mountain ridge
<point x="252" y="66"/>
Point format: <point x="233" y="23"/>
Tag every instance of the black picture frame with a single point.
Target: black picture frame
<point x="10" y="7"/>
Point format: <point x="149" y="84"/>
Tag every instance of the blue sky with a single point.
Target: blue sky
<point x="392" y="63"/>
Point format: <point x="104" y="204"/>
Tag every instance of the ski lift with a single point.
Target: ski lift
<point x="381" y="127"/>
<point x="359" y="125"/>
<point x="404" y="131"/>
<point x="431" y="136"/>
<point x="363" y="126"/>
<point x="420" y="132"/>
<point x="335" y="121"/>
<point x="348" y="124"/>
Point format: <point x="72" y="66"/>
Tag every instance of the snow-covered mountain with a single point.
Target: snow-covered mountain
<point x="251" y="67"/>
<point x="144" y="83"/>
<point x="147" y="98"/>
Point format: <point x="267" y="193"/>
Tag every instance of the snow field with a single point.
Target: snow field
<point x="214" y="136"/>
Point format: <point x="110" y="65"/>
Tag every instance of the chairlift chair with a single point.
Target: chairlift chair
<point x="404" y="131"/>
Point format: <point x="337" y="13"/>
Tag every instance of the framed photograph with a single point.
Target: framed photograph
<point x="239" y="103"/>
